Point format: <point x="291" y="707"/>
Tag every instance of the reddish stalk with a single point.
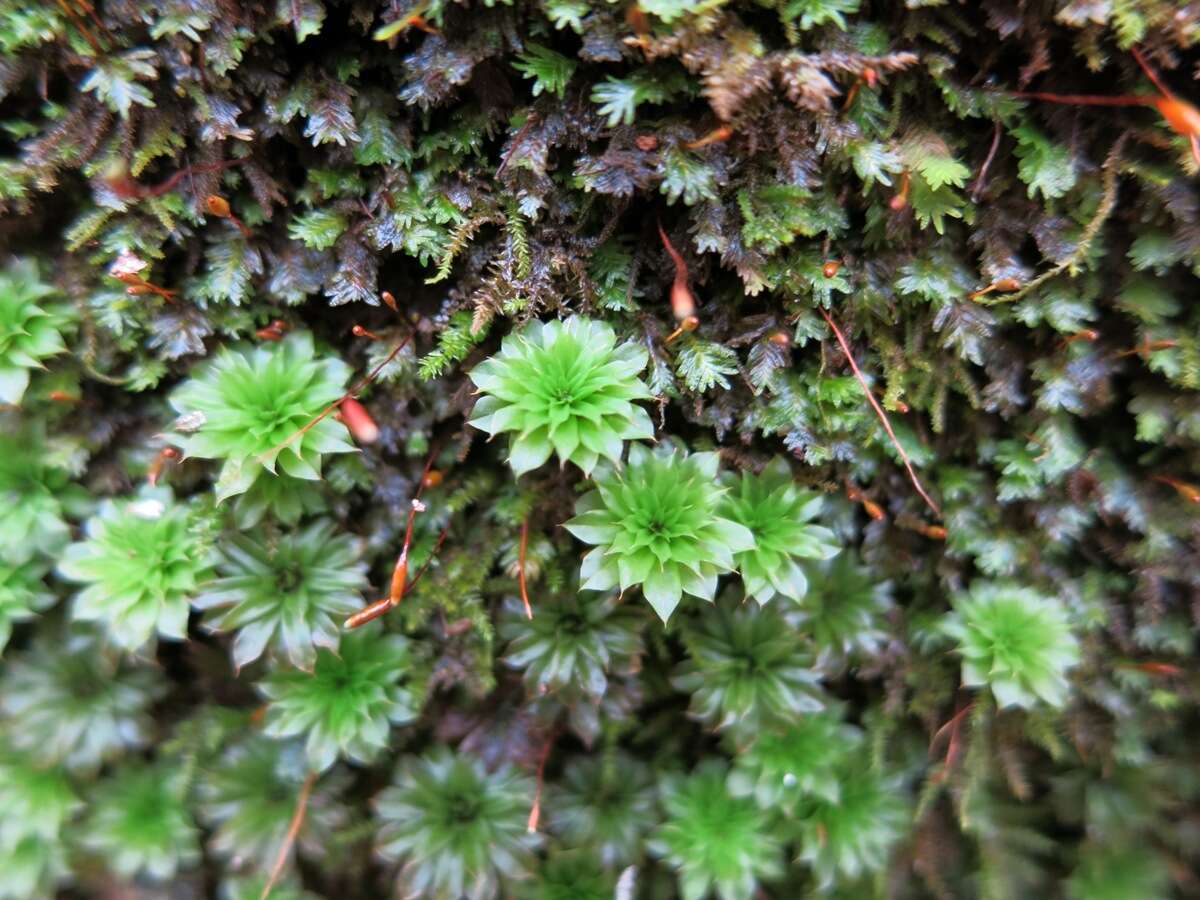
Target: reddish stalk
<point x="517" y="139"/>
<point x="400" y="584"/>
<point x="535" y="813"/>
<point x="293" y="830"/>
<point x="881" y="414"/>
<point x="683" y="304"/>
<point x="521" y="567"/>
<point x="954" y="745"/>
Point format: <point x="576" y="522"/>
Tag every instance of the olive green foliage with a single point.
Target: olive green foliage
<point x="660" y="312"/>
<point x="139" y="823"/>
<point x="457" y="829"/>
<point x="571" y="644"/>
<point x="795" y="760"/>
<point x="22" y="595"/>
<point x="606" y="803"/>
<point x="853" y="834"/>
<point x="746" y="668"/>
<point x="248" y="797"/>
<point x="37" y="496"/>
<point x="74" y="703"/>
<point x="844" y="609"/>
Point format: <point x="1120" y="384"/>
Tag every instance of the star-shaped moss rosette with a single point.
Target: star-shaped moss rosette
<point x="30" y="328"/>
<point x="798" y="760"/>
<point x="33" y="867"/>
<point x="23" y="595"/>
<point x="288" y="593"/>
<point x="142" y="561"/>
<point x="457" y="830"/>
<point x="139" y="824"/>
<point x="573" y="642"/>
<point x="846" y="838"/>
<point x="565" y="388"/>
<point x="38" y="801"/>
<point x="36" y="495"/>
<point x="657" y="523"/>
<point x="844" y="609"/>
<point x="348" y="703"/>
<point x="71" y="701"/>
<point x="247" y="406"/>
<point x="1014" y="641"/>
<point x="247" y="797"/>
<point x="779" y="515"/>
<point x="606" y="802"/>
<point x="715" y="841"/>
<point x="746" y="669"/>
<point x="1107" y="872"/>
<point x="571" y="875"/>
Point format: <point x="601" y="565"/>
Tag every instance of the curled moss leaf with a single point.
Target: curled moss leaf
<point x="779" y="515"/>
<point x="565" y="388"/>
<point x="22" y="595"/>
<point x="142" y="561"/>
<point x="1014" y="641"/>
<point x="799" y="760"/>
<point x="248" y="404"/>
<point x="843" y="839"/>
<point x="457" y="830"/>
<point x="347" y="704"/>
<point x="30" y="329"/>
<point x="746" y="668"/>
<point x="71" y="702"/>
<point x="288" y="593"/>
<point x="138" y="823"/>
<point x="714" y="840"/>
<point x="656" y="523"/>
<point x="573" y="642"/>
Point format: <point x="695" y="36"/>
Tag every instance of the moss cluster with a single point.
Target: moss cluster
<point x="569" y="448"/>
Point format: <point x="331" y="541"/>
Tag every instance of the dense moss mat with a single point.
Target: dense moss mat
<point x="625" y="294"/>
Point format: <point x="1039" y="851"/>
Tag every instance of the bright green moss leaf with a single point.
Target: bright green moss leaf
<point x="714" y="840"/>
<point x="141" y="562"/>
<point x="347" y="704"/>
<point x="778" y="514"/>
<point x="30" y="328"/>
<point x="1015" y="642"/>
<point x="565" y="388"/>
<point x="655" y="523"/>
<point x="248" y="406"/>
